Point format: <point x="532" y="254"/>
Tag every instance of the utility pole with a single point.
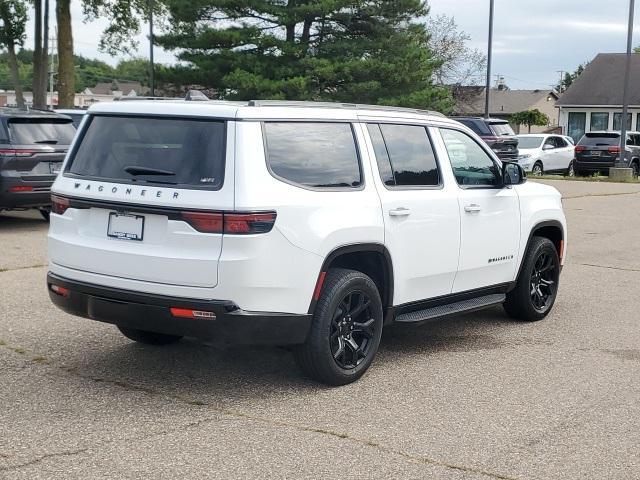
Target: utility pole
<point x="51" y="70"/>
<point x="621" y="161"/>
<point x="151" y="67"/>
<point x="560" y="85"/>
<point x="489" y="51"/>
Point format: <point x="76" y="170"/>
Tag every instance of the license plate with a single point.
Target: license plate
<point x="596" y="153"/>
<point x="54" y="167"/>
<point x="125" y="227"/>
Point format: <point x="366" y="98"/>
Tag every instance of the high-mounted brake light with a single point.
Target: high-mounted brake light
<point x="236" y="223"/>
<point x="21" y="188"/>
<point x="59" y="205"/>
<point x="579" y="149"/>
<point x="189" y="313"/>
<point x="18" y="152"/>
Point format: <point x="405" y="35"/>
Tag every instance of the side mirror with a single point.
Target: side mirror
<point x="548" y="147"/>
<point x="513" y="174"/>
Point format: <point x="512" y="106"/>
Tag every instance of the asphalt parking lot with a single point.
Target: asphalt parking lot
<point x="474" y="397"/>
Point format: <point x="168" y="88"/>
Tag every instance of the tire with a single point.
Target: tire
<point x="45" y="214"/>
<point x="537" y="169"/>
<point x="330" y="355"/>
<point x="571" y="169"/>
<point x="148" y="338"/>
<point x="636" y="169"/>
<point x="522" y="302"/>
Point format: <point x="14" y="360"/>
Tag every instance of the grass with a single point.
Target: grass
<point x="596" y="177"/>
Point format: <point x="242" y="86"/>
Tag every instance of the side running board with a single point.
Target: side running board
<point x="451" y="309"/>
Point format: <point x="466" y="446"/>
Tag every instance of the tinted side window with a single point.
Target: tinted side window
<point x="472" y="166"/>
<point x="382" y="156"/>
<point x="411" y="154"/>
<point x="319" y="155"/>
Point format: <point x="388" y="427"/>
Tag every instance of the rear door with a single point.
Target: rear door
<point x="420" y="211"/>
<point x="144" y="195"/>
<point x="489" y="215"/>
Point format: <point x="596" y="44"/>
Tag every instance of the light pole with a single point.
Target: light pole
<point x="620" y="163"/>
<point x="151" y="68"/>
<point x="489" y="51"/>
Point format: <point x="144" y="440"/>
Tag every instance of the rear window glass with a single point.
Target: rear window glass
<point x="502" y="129"/>
<point x="530" y="142"/>
<point x="174" y="151"/>
<point x="30" y="131"/>
<point x="317" y="155"/>
<point x="600" y="139"/>
<point x="478" y="126"/>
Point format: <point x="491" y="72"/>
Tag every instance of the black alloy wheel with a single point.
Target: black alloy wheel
<point x="536" y="287"/>
<point x="346" y="329"/>
<point x="352" y="330"/>
<point x="543" y="281"/>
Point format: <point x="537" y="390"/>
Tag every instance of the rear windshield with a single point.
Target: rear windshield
<point x="45" y="131"/>
<point x="530" y="142"/>
<point x="173" y="151"/>
<point x="600" y="139"/>
<point x="501" y="129"/>
<point x="478" y="126"/>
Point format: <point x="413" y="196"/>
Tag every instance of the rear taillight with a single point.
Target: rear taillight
<point x="614" y="149"/>
<point x="207" y="222"/>
<point x="579" y="149"/>
<point x="21" y="188"/>
<point x="59" y="205"/>
<point x="63" y="292"/>
<point x="18" y="152"/>
<point x="189" y="313"/>
<point x="237" y="223"/>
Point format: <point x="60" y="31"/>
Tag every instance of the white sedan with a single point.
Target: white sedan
<point x="544" y="153"/>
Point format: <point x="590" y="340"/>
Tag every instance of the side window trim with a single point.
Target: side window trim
<point x="440" y="184"/>
<point x="307" y="187"/>
<point x="484" y="148"/>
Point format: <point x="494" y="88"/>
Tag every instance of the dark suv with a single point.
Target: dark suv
<point x="598" y="151"/>
<point x="32" y="146"/>
<point x="496" y="133"/>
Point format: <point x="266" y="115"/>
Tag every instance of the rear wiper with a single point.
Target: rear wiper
<point x="49" y="142"/>
<point x="133" y="170"/>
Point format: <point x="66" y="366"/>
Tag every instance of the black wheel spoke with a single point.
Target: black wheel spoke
<point x="362" y="305"/>
<point x="340" y="350"/>
<point x="365" y="327"/>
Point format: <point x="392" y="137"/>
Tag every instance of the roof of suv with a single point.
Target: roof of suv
<point x="30" y="113"/>
<point x="610" y="132"/>
<point x="265" y="109"/>
<point x="488" y="120"/>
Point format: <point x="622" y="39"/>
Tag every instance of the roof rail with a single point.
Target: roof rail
<point x="351" y="106"/>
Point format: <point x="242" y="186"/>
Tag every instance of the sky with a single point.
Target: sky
<point x="533" y="39"/>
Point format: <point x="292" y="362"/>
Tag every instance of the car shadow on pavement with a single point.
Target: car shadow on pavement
<point x="192" y="371"/>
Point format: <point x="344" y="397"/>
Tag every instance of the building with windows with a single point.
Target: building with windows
<point x="594" y="100"/>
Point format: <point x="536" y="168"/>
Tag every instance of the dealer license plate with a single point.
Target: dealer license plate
<point x="125" y="226"/>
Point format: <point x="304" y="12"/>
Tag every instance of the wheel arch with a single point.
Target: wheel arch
<point x="372" y="259"/>
<point x="551" y="229"/>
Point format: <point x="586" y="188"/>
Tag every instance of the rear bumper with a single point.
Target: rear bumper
<point x="231" y="325"/>
<point x="40" y="196"/>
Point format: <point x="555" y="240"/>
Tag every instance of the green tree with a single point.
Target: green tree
<point x="342" y="50"/>
<point x="569" y="78"/>
<point x="530" y="118"/>
<point x="13" y="15"/>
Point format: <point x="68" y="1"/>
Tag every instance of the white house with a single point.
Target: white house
<point x="594" y="99"/>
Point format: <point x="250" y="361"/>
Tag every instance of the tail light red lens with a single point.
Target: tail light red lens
<point x="236" y="223"/>
<point x="189" y="313"/>
<point x="579" y="149"/>
<point x="21" y="188"/>
<point x="17" y="152"/>
<point x="206" y="222"/>
<point x="614" y="149"/>
<point x="59" y="205"/>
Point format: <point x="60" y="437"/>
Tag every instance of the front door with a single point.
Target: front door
<point x="489" y="215"/>
<point x="420" y="211"/>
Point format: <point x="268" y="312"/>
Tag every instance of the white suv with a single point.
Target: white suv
<point x="286" y="223"/>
